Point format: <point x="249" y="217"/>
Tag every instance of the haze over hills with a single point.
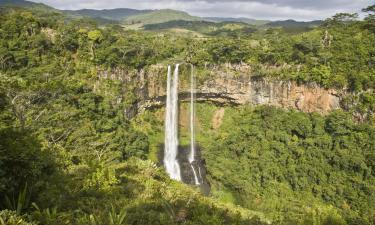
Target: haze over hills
<point x="293" y="23"/>
<point x="240" y="19"/>
<point x="144" y="17"/>
<point x="110" y="14"/>
<point x="161" y="16"/>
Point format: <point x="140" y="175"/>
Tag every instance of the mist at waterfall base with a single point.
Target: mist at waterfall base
<point x="187" y="174"/>
<point x="182" y="163"/>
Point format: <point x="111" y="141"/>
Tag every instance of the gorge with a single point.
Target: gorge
<point x="236" y="133"/>
<point x="186" y="122"/>
<point x="182" y="163"/>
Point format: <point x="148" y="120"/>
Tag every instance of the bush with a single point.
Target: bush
<point x="11" y="218"/>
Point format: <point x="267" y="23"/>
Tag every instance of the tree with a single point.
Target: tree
<point x="341" y="19"/>
<point x="21" y="161"/>
<point x="369" y="9"/>
<point x="20" y="100"/>
<point x="370" y="19"/>
<point x="338" y="123"/>
<point x="95" y="37"/>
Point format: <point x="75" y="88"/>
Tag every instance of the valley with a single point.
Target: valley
<point x="155" y="116"/>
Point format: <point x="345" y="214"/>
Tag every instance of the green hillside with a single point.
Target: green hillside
<point x="293" y="26"/>
<point x="293" y="23"/>
<point x="241" y="19"/>
<point x="108" y="14"/>
<point x="26" y="4"/>
<point x="160" y="16"/>
<point x="204" y="27"/>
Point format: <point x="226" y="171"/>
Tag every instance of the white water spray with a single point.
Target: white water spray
<point x="171" y="126"/>
<point x="192" y="130"/>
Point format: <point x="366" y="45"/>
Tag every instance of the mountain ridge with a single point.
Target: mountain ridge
<point x="149" y="16"/>
<point x="294" y="23"/>
<point x="27" y="4"/>
<point x="116" y="14"/>
<point x="161" y="16"/>
<point x="250" y="21"/>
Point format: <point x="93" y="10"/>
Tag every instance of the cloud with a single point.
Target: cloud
<point x="258" y="9"/>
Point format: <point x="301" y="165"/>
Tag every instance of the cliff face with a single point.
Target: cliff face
<point x="228" y="88"/>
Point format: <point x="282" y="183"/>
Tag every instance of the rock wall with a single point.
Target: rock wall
<point x="227" y="89"/>
<point x="271" y="92"/>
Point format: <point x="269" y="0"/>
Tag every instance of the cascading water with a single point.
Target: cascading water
<point x="171" y="126"/>
<point x="182" y="163"/>
<point x="192" y="130"/>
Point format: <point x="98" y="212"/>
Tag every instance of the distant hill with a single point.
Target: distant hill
<point x="241" y="19"/>
<point x="160" y="16"/>
<point x="108" y="16"/>
<point x="26" y="4"/>
<point x="119" y="14"/>
<point x="143" y="17"/>
<point x="222" y="29"/>
<point x="294" y="24"/>
<point x="203" y="27"/>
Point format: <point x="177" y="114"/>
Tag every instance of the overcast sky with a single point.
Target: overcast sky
<point x="257" y="9"/>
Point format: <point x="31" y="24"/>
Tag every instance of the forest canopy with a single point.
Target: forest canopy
<point x="73" y="152"/>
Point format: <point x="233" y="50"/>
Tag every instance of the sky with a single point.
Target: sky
<point x="303" y="10"/>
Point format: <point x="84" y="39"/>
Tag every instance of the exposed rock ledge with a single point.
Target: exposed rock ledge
<point x="227" y="88"/>
<point x="252" y="91"/>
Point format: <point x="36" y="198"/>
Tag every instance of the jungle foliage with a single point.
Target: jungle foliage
<point x="71" y="154"/>
<point x="290" y="164"/>
<point x="68" y="152"/>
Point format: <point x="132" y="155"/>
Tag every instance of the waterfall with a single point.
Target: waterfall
<point x="171" y="126"/>
<point x="192" y="130"/>
<point x="171" y="163"/>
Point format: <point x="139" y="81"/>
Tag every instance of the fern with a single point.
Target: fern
<point x="117" y="218"/>
<point x="23" y="201"/>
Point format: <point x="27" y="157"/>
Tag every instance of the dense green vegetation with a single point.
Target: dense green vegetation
<point x="339" y="54"/>
<point x="70" y="154"/>
<point x="289" y="164"/>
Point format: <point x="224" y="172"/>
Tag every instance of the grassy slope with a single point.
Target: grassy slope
<point x="26" y="4"/>
<point x="160" y="16"/>
<point x="241" y="19"/>
<point x="109" y="14"/>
